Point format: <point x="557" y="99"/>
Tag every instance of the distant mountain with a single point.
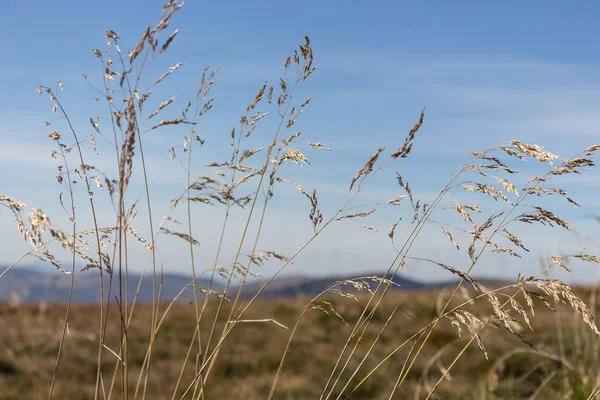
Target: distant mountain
<point x="304" y="285"/>
<point x="32" y="285"/>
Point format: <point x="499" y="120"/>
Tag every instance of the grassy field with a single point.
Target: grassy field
<point x="564" y="359"/>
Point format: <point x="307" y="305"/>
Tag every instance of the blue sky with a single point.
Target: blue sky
<point x="488" y="72"/>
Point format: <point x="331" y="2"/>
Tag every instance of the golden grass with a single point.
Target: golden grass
<point x="248" y="361"/>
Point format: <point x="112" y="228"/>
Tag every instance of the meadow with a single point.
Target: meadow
<point x="563" y="364"/>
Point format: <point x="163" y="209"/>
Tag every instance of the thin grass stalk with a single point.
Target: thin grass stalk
<point x="447" y="370"/>
<point x="95" y="221"/>
<point x="171" y="6"/>
<point x="264" y="209"/>
<point x="134" y="302"/>
<point x="473" y="263"/>
<point x="199" y="313"/>
<point x="281" y="268"/>
<point x="72" y="280"/>
<point x="369" y="350"/>
<point x="228" y="206"/>
<point x="193" y="336"/>
<point x="191" y="249"/>
<point x="410" y="352"/>
<point x="245" y="308"/>
<point x="423" y="330"/>
<point x="399" y="256"/>
<point x="542" y="385"/>
<point x="595" y="393"/>
<point x="151" y="224"/>
<point x="230" y="318"/>
<point x="305" y="309"/>
<point x="246" y="227"/>
<point x="118" y="156"/>
<point x="124" y="317"/>
<point x="159" y="324"/>
<point x="220" y="244"/>
<point x="474" y="336"/>
<point x="427" y="368"/>
<point x="187" y="356"/>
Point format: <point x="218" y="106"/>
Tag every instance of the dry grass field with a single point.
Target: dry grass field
<point x="564" y="365"/>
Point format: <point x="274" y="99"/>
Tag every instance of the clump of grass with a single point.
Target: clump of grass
<point x="247" y="180"/>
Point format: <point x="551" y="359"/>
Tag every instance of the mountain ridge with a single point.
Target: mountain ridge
<point x="29" y="285"/>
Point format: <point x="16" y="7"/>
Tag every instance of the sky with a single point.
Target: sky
<point x="487" y="73"/>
